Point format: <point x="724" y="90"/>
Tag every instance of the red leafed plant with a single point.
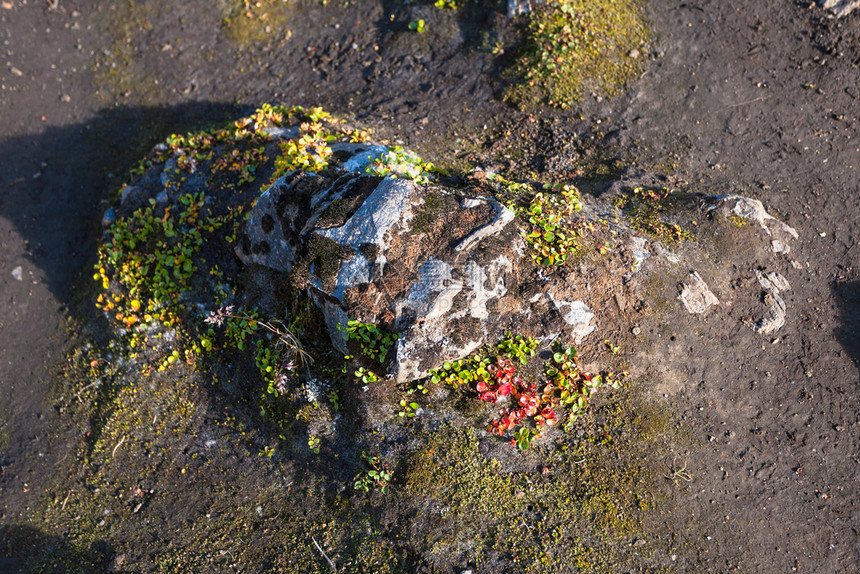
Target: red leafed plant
<point x="501" y="381"/>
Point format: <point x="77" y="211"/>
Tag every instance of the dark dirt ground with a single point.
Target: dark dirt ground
<point x="756" y="98"/>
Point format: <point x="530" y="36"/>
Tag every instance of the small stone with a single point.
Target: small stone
<point x="822" y="234"/>
<point x="636" y="330"/>
<point x="639" y="542"/>
<point x="109" y="217"/>
<point x="696" y="296"/>
<point x="841" y="7"/>
<point x="17" y="273"/>
<point x="634" y="53"/>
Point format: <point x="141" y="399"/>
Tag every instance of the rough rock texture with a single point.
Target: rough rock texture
<point x="448" y="269"/>
<point x="841" y="7"/>
<point x="753" y="210"/>
<point x="696" y="296"/>
<point x="772" y="283"/>
<point x="440" y="269"/>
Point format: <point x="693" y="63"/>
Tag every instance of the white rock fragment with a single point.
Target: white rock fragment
<point x="696" y="296"/>
<point x="18" y="273"/>
<point x="476" y="278"/>
<point x="640" y="252"/>
<point x="362" y="155"/>
<point x="772" y="283"/>
<point x="577" y="315"/>
<point x="780" y="247"/>
<point x="841" y="7"/>
<point x="753" y="210"/>
<point x="433" y="294"/>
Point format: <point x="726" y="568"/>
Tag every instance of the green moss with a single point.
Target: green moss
<point x="326" y="255"/>
<point x="249" y="22"/>
<point x="647" y="210"/>
<point x="573" y="47"/>
<point x="120" y="71"/>
<point x="423" y="220"/>
<point x="587" y="499"/>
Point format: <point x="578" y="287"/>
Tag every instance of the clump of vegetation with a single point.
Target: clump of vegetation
<point x="552" y="235"/>
<point x="646" y="210"/>
<point x="573" y="47"/>
<point x="397" y="162"/>
<point x="147" y="261"/>
<point x="492" y="376"/>
<point x="374" y="475"/>
<point x="310" y="151"/>
<point x="373" y="342"/>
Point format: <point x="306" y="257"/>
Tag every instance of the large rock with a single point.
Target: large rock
<point x="441" y="269"/>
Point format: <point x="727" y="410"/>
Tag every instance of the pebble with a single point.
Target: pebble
<point x="17" y="273"/>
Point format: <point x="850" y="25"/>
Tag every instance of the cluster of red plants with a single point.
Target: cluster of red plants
<point x="526" y="401"/>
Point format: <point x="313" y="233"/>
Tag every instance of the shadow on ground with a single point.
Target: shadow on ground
<point x="26" y="549"/>
<point x="848" y="333"/>
<point x="55" y="181"/>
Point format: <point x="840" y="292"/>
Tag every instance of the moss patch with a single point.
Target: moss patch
<point x="573" y="47"/>
<point x="249" y="22"/>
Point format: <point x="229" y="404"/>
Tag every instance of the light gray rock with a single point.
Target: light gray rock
<point x="577" y="315"/>
<point x="773" y="284"/>
<point x="841" y="7"/>
<point x="753" y="210"/>
<point x="273" y="225"/>
<point x="696" y="296"/>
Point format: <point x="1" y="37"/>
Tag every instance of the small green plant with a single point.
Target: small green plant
<point x="374" y="343"/>
<point x="314" y="444"/>
<point x="675" y="474"/>
<point x="147" y="262"/>
<point x="268" y="451"/>
<point x="509" y="192"/>
<point x="517" y="347"/>
<point x="275" y="363"/>
<point x="374" y="475"/>
<point x="523" y="437"/>
<point x="479" y="368"/>
<point x="407" y="409"/>
<point x="550" y="237"/>
<point x="170" y="360"/>
<point x="417" y="26"/>
<point x="570" y="386"/>
<point x="334" y="399"/>
<point x="451" y="4"/>
<point x="646" y="210"/>
<point x="399" y="163"/>
<point x="366" y="376"/>
<point x="310" y="151"/>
